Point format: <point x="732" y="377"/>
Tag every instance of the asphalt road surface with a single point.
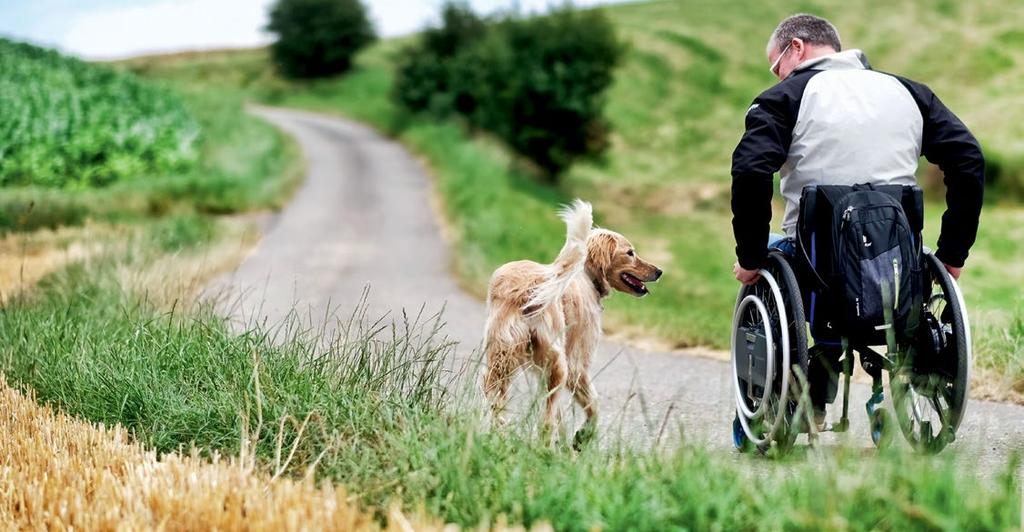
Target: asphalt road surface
<point x="364" y="218"/>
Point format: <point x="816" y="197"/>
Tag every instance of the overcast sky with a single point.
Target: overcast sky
<point x="107" y="29"/>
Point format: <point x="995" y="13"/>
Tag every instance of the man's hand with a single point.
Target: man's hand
<point x="953" y="271"/>
<point x="747" y="277"/>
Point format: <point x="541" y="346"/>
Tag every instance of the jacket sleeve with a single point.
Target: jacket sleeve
<point x="948" y="143"/>
<point x="759" y="154"/>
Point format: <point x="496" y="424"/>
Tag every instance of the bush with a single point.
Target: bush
<point x="1004" y="174"/>
<point x="550" y="106"/>
<point x="537" y="83"/>
<point x="318" y="38"/>
<point x="424" y="75"/>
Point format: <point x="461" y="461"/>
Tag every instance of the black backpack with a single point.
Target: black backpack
<point x="867" y="247"/>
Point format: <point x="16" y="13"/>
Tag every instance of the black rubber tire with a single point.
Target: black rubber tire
<point x="958" y="385"/>
<point x="779" y="265"/>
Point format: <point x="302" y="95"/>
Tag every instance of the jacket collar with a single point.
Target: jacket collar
<point x="847" y="60"/>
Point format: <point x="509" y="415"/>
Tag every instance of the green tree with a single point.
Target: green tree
<point x="424" y="71"/>
<point x="318" y="38"/>
<point x="538" y="83"/>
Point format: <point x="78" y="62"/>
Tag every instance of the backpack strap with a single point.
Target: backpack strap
<point x="808" y="223"/>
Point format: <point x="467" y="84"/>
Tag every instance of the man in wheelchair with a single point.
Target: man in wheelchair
<point x="846" y="141"/>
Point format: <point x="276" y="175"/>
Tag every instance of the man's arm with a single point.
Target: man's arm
<point x="759" y="154"/>
<point x="949" y="144"/>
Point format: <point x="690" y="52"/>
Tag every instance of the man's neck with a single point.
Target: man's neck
<point x="814" y="52"/>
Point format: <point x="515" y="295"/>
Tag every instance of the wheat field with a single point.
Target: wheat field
<point x="60" y="473"/>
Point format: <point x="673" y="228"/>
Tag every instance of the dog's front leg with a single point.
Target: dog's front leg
<point x="585" y="395"/>
<point x="496" y="383"/>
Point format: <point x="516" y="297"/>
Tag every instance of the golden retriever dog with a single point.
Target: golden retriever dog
<point x="548" y="316"/>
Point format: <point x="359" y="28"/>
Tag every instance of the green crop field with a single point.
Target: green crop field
<point x="84" y="142"/>
<point x="68" y="123"/>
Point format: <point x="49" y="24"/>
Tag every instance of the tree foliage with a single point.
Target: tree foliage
<point x="318" y="38"/>
<point x="538" y="83"/>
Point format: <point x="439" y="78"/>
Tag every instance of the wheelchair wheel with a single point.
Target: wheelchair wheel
<point x="769" y="339"/>
<point x="929" y="388"/>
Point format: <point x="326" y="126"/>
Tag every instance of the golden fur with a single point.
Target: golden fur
<point x="549" y="315"/>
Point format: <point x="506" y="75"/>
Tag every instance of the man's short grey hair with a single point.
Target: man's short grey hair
<point x="808" y="28"/>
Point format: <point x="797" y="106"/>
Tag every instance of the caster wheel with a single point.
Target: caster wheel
<point x="739" y="437"/>
<point x="881" y="429"/>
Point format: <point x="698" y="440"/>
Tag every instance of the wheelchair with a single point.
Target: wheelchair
<point x="929" y="372"/>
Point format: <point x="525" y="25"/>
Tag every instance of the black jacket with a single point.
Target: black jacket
<point x="836" y="121"/>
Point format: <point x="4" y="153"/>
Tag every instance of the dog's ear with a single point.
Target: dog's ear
<point x="600" y="249"/>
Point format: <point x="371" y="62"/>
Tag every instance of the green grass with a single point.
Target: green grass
<point x="380" y="416"/>
<point x="677" y="111"/>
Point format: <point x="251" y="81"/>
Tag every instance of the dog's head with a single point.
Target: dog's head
<point x="613" y="263"/>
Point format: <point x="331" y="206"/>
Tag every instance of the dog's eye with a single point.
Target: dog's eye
<point x="630" y="253"/>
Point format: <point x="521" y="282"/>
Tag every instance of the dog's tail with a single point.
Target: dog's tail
<point x="578" y="219"/>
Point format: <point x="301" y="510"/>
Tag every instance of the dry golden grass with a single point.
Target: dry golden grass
<point x="25" y="258"/>
<point x="177" y="279"/>
<point x="62" y="473"/>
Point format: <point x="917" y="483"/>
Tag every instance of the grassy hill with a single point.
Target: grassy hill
<point x="677" y="110"/>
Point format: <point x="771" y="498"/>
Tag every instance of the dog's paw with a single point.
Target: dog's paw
<point x="583" y="437"/>
<point x="499" y="421"/>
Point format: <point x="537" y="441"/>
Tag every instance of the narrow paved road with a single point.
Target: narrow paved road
<point x="364" y="218"/>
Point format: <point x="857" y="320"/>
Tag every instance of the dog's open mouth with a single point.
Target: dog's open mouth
<point x="634" y="283"/>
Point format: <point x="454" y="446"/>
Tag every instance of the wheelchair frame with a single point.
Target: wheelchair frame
<point x="769" y="406"/>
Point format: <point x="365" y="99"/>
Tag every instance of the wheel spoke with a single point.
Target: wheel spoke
<point x="942" y="411"/>
<point x="915" y="402"/>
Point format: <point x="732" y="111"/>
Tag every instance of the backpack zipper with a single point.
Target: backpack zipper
<point x="847" y="214"/>
<point x="896" y="271"/>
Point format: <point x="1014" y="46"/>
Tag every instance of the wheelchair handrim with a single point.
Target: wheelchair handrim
<point x="769" y="370"/>
<point x="741" y="406"/>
